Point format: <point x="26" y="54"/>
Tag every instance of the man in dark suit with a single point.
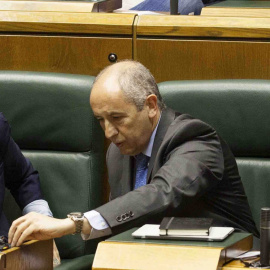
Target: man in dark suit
<point x="18" y="175"/>
<point x="160" y="163"/>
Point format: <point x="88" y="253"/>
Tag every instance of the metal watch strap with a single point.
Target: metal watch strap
<point x="78" y="219"/>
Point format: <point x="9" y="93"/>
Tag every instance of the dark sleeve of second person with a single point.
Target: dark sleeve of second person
<point x="20" y="177"/>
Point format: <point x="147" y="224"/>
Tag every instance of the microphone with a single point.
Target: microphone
<point x="174" y="7"/>
<point x="265" y="236"/>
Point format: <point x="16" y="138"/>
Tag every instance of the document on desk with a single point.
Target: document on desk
<point x="150" y="231"/>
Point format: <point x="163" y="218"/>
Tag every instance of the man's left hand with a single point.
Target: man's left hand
<point x="34" y="226"/>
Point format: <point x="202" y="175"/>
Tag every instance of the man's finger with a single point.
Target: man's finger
<point x="13" y="228"/>
<point x="25" y="235"/>
<point x="21" y="229"/>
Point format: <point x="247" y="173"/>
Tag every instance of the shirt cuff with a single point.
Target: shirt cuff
<point x="38" y="206"/>
<point x="100" y="227"/>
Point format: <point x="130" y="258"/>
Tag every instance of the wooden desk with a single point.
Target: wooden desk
<point x="255" y="9"/>
<point x="124" y="252"/>
<point x="32" y="255"/>
<point x="61" y="6"/>
<point x="233" y="265"/>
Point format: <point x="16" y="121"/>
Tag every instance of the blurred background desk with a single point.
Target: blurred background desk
<point x="240" y="8"/>
<point x="172" y="47"/>
<point x="69" y="40"/>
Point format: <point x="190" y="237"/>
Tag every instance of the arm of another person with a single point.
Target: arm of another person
<point x="21" y="178"/>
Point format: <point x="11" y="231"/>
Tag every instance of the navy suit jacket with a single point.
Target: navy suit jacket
<point x="191" y="173"/>
<point x="16" y="173"/>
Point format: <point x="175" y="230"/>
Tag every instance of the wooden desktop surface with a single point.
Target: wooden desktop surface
<point x="62" y="6"/>
<point x="124" y="252"/>
<point x="255" y="9"/>
<point x="32" y="255"/>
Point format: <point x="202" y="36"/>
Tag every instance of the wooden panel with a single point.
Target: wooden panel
<point x="56" y="6"/>
<point x="166" y="254"/>
<point x="32" y="255"/>
<point x="204" y="59"/>
<point x="199" y="26"/>
<point x="234" y="265"/>
<point x="51" y="6"/>
<point x="236" y="12"/>
<point x="256" y="9"/>
<point x="126" y="256"/>
<point x="58" y="22"/>
<point x="77" y="55"/>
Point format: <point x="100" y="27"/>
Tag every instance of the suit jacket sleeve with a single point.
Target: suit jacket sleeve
<point x="19" y="175"/>
<point x="189" y="162"/>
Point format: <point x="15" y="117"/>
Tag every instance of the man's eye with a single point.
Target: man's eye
<point x="117" y="117"/>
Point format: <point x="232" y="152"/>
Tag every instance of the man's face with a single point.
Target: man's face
<point x="129" y="129"/>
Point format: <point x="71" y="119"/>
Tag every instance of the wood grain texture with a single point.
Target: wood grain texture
<point x="113" y="255"/>
<point x="234" y="265"/>
<point x="236" y="12"/>
<point x="123" y="253"/>
<point x="204" y="59"/>
<point x="199" y="26"/>
<point x="58" y="22"/>
<point x="63" y="6"/>
<point x="66" y="54"/>
<point x="49" y="6"/>
<point x="32" y="255"/>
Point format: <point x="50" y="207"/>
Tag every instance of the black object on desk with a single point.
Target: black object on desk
<point x="174" y="7"/>
<point x="185" y="226"/>
<point x="4" y="243"/>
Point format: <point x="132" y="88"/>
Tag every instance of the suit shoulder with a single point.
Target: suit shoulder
<point x="188" y="124"/>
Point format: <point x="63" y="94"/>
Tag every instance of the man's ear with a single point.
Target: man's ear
<point x="152" y="103"/>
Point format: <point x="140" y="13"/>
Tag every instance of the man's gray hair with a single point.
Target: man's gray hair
<point x="137" y="83"/>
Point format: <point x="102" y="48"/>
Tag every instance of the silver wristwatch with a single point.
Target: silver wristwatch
<point x="77" y="217"/>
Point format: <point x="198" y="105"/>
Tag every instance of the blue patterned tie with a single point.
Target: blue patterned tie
<point x="141" y="170"/>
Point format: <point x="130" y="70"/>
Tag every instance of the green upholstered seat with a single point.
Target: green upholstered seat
<point x="239" y="110"/>
<point x="53" y="124"/>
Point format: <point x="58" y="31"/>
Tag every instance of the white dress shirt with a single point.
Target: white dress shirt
<point x="38" y="206"/>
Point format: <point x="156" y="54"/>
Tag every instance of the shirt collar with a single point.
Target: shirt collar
<point x="148" y="150"/>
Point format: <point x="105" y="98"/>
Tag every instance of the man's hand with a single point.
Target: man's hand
<point x="34" y="226"/>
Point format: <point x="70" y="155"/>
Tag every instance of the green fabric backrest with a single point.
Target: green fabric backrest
<point x="239" y="110"/>
<point x="52" y="122"/>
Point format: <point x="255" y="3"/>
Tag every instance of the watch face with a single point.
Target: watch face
<point x="76" y="214"/>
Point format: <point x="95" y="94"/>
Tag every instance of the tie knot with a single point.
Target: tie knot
<point x="142" y="161"/>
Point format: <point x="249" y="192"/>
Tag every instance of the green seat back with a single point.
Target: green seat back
<point x="239" y="110"/>
<point x="52" y="122"/>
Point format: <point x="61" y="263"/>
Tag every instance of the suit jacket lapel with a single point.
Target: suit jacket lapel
<point x="167" y="117"/>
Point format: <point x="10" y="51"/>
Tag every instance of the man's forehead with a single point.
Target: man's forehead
<point x="107" y="84"/>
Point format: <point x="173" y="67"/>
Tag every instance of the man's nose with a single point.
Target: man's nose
<point x="110" y="130"/>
